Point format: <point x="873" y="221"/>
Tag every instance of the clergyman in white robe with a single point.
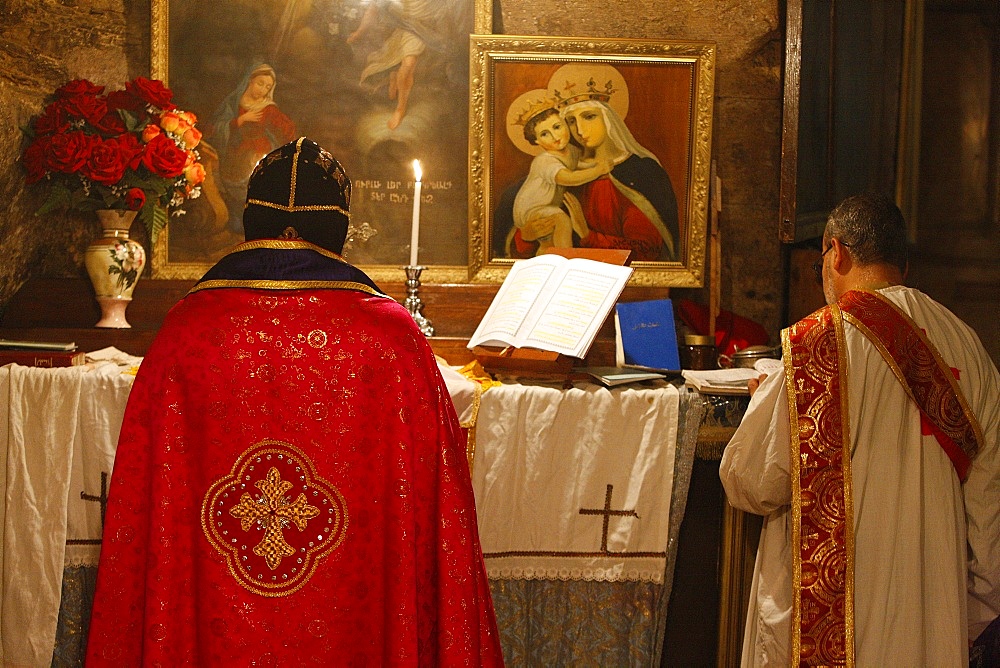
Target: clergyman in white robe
<point x="927" y="548"/>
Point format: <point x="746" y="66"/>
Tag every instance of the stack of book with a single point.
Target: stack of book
<point x="40" y="353"/>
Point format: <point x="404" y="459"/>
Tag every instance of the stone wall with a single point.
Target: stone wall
<point x="44" y="43"/>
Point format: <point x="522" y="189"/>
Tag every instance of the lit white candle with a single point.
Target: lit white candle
<point x="415" y="229"/>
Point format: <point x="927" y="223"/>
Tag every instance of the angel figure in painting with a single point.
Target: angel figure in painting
<point x="411" y="29"/>
<point x="247" y="126"/>
<point x="539" y="200"/>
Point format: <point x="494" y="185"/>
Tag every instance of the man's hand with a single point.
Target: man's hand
<point x="754" y="383"/>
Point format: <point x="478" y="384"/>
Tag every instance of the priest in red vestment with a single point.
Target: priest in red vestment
<point x="290" y="485"/>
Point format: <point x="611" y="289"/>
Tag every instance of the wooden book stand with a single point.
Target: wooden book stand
<point x="545" y="364"/>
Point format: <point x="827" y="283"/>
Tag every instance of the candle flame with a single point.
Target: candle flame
<point x="416" y="169"/>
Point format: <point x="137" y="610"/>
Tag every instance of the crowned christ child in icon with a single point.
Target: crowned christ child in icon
<point x="539" y="200"/>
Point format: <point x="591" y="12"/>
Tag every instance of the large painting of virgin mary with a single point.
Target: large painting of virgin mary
<point x="378" y="83"/>
<point x="603" y="148"/>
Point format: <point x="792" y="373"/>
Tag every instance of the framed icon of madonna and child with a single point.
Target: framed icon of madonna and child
<point x="584" y="143"/>
<point x="378" y="83"/>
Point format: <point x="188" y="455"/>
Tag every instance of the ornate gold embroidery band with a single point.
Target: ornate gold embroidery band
<point x="822" y="525"/>
<point x="470" y="426"/>
<point x="307" y="207"/>
<point x="845" y="452"/>
<point x="927" y="379"/>
<point x="285" y="244"/>
<point x="285" y="285"/>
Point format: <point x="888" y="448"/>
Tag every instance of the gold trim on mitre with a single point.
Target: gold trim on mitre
<point x="312" y="207"/>
<point x="285" y="244"/>
<point x="291" y="206"/>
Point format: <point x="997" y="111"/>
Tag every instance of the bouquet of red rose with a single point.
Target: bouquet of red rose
<point x="127" y="149"/>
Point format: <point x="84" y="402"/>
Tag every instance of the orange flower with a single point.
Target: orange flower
<point x="194" y="173"/>
<point x="149" y="132"/>
<point x="191" y="137"/>
<point x="175" y="123"/>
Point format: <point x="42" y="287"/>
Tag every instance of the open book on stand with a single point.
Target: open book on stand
<point x="552" y="303"/>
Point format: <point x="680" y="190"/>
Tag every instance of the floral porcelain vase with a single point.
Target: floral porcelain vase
<point x="114" y="263"/>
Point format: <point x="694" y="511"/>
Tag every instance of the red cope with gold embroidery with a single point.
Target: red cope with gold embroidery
<point x="291" y="488"/>
<point x="822" y="504"/>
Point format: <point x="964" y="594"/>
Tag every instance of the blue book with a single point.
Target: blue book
<point x="646" y="335"/>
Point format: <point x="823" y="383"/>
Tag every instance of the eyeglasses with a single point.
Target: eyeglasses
<point x="818" y="264"/>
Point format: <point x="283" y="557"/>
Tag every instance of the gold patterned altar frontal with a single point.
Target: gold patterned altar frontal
<point x="273" y="518"/>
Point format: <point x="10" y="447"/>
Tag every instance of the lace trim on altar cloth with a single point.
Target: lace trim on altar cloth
<point x="591" y="569"/>
<point x="78" y="556"/>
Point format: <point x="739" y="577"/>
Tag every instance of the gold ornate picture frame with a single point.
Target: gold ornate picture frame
<point x="378" y="85"/>
<point x="634" y="172"/>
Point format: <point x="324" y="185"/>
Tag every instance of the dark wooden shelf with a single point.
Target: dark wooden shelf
<point x="132" y="341"/>
<point x="64" y="309"/>
<point x="56" y="309"/>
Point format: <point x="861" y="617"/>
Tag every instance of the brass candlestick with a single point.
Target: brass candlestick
<point x="413" y="303"/>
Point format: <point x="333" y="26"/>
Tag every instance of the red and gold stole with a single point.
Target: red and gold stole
<point x="822" y="513"/>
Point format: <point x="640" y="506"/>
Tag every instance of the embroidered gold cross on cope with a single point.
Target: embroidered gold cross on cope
<point x="273" y="512"/>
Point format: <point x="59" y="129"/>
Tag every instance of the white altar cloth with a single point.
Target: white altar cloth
<point x="575" y="484"/>
<point x="58" y="433"/>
